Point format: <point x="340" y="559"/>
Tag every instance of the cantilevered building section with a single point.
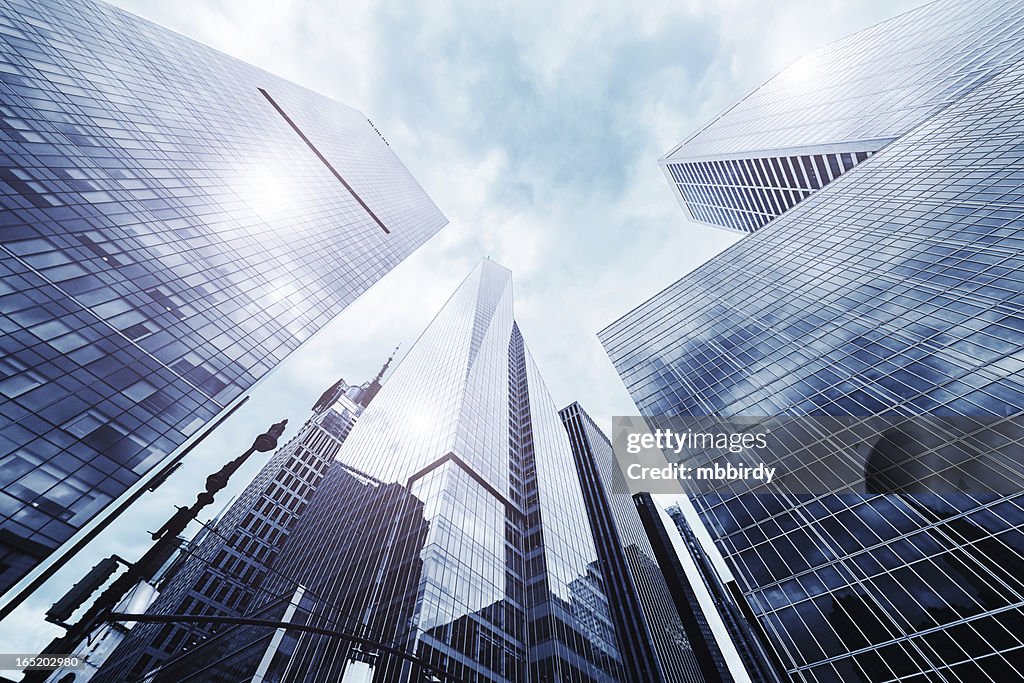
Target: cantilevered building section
<point x="451" y="535"/>
<point x="835" y="107"/>
<point x="173" y="223"/>
<point x="895" y="290"/>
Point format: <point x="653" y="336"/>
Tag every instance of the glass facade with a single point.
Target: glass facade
<point x="174" y="223"/>
<point x="833" y="107"/>
<point x="895" y="289"/>
<point x="641" y="601"/>
<point x="451" y="532"/>
<point x="685" y="594"/>
<point x="225" y="572"/>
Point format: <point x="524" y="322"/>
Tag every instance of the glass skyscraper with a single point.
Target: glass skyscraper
<point x="174" y="223"/>
<point x="833" y="108"/>
<point x="450" y="538"/>
<point x="896" y="289"/>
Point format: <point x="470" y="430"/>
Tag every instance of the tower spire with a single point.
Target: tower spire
<point x="371" y="389"/>
<point x="387" y="363"/>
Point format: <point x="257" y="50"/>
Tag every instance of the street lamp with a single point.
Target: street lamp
<point x="147" y="566"/>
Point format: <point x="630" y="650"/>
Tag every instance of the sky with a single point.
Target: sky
<point x="536" y="127"/>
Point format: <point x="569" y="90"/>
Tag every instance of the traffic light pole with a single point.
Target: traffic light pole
<point x="425" y="668"/>
<point x="53" y="566"/>
<point x="149" y="564"/>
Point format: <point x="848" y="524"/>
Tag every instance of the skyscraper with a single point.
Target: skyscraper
<point x="175" y="222"/>
<point x="835" y="107"/>
<point x="895" y="289"/>
<point x="225" y="573"/>
<point x="641" y="602"/>
<point x="683" y="594"/>
<point x="738" y="621"/>
<point x="451" y="535"/>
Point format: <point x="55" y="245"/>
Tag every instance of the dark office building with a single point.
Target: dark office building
<point x="173" y="223"/>
<point x="682" y="593"/>
<point x="739" y="622"/>
<point x="893" y="290"/>
<point x="352" y="566"/>
<point x="642" y="605"/>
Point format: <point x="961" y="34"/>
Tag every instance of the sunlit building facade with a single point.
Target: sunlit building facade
<point x="451" y="534"/>
<point x="834" y="107"/>
<point x="173" y="223"/>
<point x="896" y="290"/>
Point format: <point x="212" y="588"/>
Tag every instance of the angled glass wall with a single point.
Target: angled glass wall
<point x="894" y="290"/>
<point x="173" y="223"/>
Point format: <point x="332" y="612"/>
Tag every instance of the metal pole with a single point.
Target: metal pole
<point x="94" y="531"/>
<point x="288" y="626"/>
<point x="147" y="566"/>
